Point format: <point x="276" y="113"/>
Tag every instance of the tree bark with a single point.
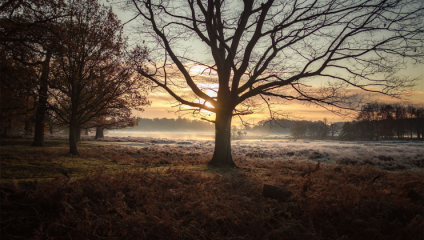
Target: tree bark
<point x="7" y="130"/>
<point x="28" y="127"/>
<point x="78" y="134"/>
<point x="40" y="117"/>
<point x="99" y="133"/>
<point x="73" y="150"/>
<point x="222" y="154"/>
<point x="41" y="111"/>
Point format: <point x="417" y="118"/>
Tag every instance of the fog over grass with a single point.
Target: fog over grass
<point x="388" y="155"/>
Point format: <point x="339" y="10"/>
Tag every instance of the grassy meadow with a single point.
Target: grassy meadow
<point x="157" y="189"/>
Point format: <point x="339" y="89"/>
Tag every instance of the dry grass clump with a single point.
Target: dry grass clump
<point x="174" y="155"/>
<point x="151" y="156"/>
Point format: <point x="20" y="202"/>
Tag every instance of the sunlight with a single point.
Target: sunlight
<point x="210" y="89"/>
<point x="200" y="70"/>
<point x="208" y="104"/>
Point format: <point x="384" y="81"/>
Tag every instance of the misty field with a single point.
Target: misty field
<point x="388" y="155"/>
<point x="150" y="188"/>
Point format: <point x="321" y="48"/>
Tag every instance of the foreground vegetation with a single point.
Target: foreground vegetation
<point x="120" y="192"/>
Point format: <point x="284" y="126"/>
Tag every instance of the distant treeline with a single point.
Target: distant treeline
<point x="378" y="121"/>
<point x="300" y="129"/>
<point x="170" y="124"/>
<point x="375" y="121"/>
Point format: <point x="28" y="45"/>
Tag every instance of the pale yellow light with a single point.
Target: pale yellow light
<point x="208" y="104"/>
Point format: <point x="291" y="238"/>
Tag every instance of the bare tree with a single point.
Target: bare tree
<point x="334" y="129"/>
<point x="268" y="50"/>
<point x="298" y="129"/>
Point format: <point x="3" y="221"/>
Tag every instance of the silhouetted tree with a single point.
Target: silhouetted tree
<point x="387" y="120"/>
<point x="387" y="125"/>
<point x="17" y="103"/>
<point x="164" y="124"/>
<point x="267" y="50"/>
<point x="418" y="121"/>
<point x="347" y="132"/>
<point x="323" y="129"/>
<point x="313" y="129"/>
<point x="99" y="133"/>
<point x="334" y="129"/>
<point x="369" y="115"/>
<point x="29" y="35"/>
<point x="116" y="122"/>
<point x="400" y="119"/>
<point x="91" y="77"/>
<point x="298" y="129"/>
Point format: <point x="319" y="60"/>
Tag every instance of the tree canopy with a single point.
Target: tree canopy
<point x="91" y="77"/>
<point x="77" y="54"/>
<point x="28" y="36"/>
<point x="266" y="50"/>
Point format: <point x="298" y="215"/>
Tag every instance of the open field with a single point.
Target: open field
<point x="146" y="188"/>
<point x="388" y="155"/>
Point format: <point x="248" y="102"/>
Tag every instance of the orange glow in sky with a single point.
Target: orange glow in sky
<point x="161" y="103"/>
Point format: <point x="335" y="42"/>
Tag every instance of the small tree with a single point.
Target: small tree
<point x="387" y="125"/>
<point x="334" y="129"/>
<point x="370" y="120"/>
<point x="124" y="119"/>
<point x="400" y="118"/>
<point x="298" y="129"/>
<point x="323" y="129"/>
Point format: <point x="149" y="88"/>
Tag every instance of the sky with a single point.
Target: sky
<point x="161" y="106"/>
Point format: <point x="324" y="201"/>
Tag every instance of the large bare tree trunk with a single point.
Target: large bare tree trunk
<point x="7" y="129"/>
<point x="99" y="133"/>
<point x="78" y="134"/>
<point x="41" y="111"/>
<point x="40" y="116"/>
<point x="222" y="154"/>
<point x="28" y="127"/>
<point x="73" y="140"/>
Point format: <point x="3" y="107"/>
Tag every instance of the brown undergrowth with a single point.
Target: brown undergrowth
<point x="174" y="204"/>
<point x="330" y="201"/>
<point x="179" y="204"/>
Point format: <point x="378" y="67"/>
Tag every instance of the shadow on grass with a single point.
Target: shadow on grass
<point x="28" y="142"/>
<point x="222" y="170"/>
